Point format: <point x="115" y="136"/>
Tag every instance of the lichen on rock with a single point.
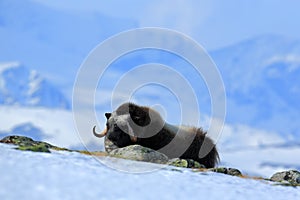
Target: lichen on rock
<point x="22" y="141"/>
<point x="27" y="144"/>
<point x="289" y="177"/>
<point x="224" y="170"/>
<point x="186" y="163"/>
<point x="35" y="148"/>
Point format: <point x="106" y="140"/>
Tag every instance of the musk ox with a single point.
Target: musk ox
<point x="132" y="124"/>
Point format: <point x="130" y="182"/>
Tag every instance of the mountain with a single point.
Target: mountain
<point x="53" y="37"/>
<point x="27" y="129"/>
<point x="261" y="77"/>
<point x="22" y="86"/>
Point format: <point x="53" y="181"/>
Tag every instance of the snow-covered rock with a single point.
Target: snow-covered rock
<point x="22" y="86"/>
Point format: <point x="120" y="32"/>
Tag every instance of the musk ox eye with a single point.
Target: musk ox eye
<point x="136" y="117"/>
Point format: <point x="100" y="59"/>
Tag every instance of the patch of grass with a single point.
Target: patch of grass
<point x="95" y="153"/>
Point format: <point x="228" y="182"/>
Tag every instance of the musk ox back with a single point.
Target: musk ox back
<point x="132" y="124"/>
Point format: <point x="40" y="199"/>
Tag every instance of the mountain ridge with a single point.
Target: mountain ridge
<point x="260" y="76"/>
<point x="24" y="87"/>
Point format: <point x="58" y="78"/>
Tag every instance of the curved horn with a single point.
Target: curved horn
<point x="99" y="135"/>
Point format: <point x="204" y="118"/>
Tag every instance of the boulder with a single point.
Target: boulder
<point x="186" y="163"/>
<point x="229" y="171"/>
<point x="139" y="153"/>
<point x="290" y="176"/>
<point x="109" y="145"/>
<point x="28" y="144"/>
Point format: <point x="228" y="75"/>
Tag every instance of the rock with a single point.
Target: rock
<point x="291" y="176"/>
<point x="229" y="171"/>
<point x="139" y="153"/>
<point x="234" y="172"/>
<point x="28" y="144"/>
<point x="109" y="145"/>
<point x="186" y="163"/>
<point x="20" y="141"/>
<point x="222" y="170"/>
<point x="177" y="162"/>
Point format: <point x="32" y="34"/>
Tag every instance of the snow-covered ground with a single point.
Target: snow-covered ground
<point x="65" y="175"/>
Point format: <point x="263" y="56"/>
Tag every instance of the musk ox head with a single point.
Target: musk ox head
<point x="130" y="122"/>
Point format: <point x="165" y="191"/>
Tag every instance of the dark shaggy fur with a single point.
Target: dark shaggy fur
<point x="132" y="124"/>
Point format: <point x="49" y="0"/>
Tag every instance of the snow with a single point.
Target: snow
<point x="292" y="59"/>
<point x="22" y="86"/>
<point x="34" y="82"/>
<point x="8" y="65"/>
<point x="68" y="175"/>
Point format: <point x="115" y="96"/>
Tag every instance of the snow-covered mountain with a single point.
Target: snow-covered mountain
<point x="262" y="82"/>
<point x="30" y="105"/>
<point x="27" y="129"/>
<point x="24" y="87"/>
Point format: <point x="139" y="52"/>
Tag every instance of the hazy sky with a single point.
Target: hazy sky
<point x="214" y="23"/>
<point x="55" y="36"/>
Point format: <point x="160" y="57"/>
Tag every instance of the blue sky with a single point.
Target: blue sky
<point x="213" y="23"/>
